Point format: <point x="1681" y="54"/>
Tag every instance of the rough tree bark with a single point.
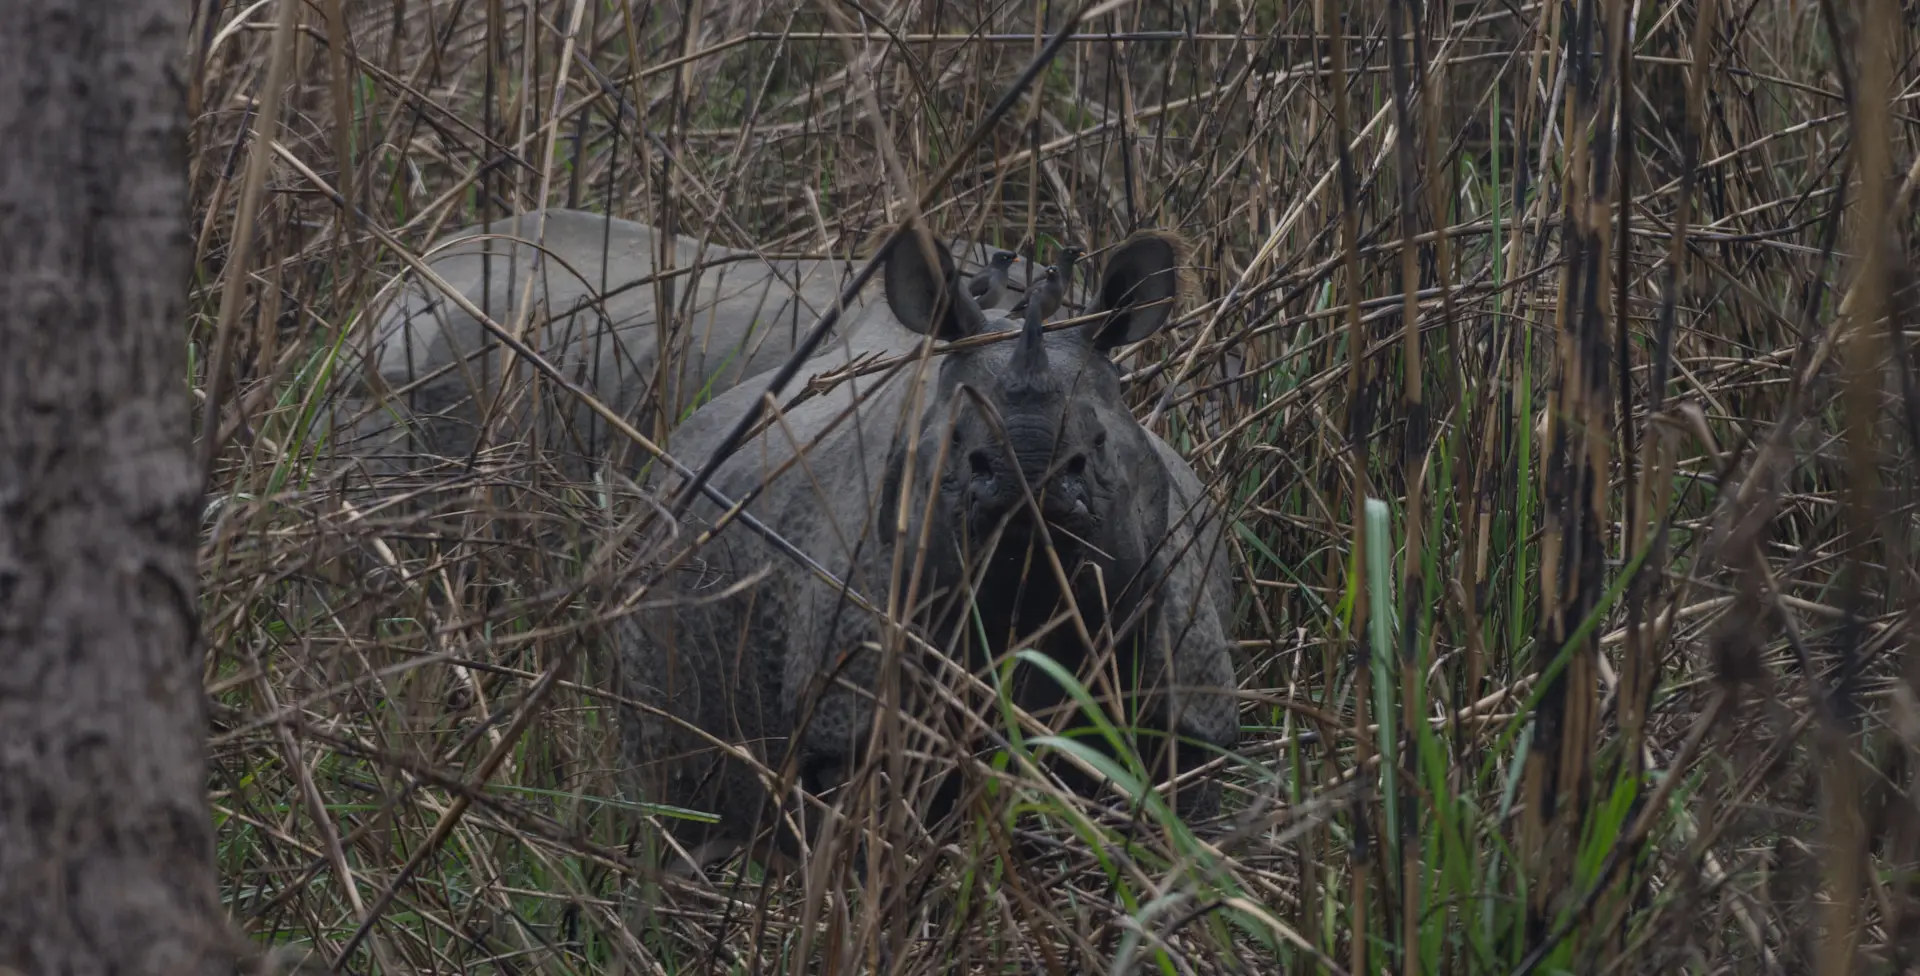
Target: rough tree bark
<point x="106" y="843"/>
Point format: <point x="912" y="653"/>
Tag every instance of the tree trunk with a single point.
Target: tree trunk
<point x="106" y="843"/>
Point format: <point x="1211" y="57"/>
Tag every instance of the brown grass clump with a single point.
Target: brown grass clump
<point x="1571" y="484"/>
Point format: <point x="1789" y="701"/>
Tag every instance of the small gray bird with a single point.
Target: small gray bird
<point x="1043" y="295"/>
<point x="987" y="286"/>
<point x="1051" y="289"/>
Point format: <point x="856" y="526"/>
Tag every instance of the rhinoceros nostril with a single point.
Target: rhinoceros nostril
<point x="1077" y="465"/>
<point x="981" y="462"/>
<point x="982" y="489"/>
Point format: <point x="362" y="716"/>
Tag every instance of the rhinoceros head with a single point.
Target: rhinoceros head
<point x="1037" y="416"/>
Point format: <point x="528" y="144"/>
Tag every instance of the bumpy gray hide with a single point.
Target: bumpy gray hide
<point x="593" y="315"/>
<point x="742" y="670"/>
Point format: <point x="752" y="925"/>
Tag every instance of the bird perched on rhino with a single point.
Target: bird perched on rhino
<point x="1042" y="296"/>
<point x="1052" y="287"/>
<point x="987" y="286"/>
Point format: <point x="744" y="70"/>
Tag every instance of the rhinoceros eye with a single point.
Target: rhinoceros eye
<point x="1099" y="440"/>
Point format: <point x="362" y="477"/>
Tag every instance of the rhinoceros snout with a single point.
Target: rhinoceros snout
<point x="994" y="493"/>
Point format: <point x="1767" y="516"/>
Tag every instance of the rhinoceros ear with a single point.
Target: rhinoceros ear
<point x="1138" y="290"/>
<point x="924" y="298"/>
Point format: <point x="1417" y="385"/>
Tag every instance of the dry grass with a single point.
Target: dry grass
<point x="1623" y="676"/>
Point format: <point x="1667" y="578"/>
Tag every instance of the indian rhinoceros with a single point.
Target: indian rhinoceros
<point x="438" y="370"/>
<point x="762" y="655"/>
